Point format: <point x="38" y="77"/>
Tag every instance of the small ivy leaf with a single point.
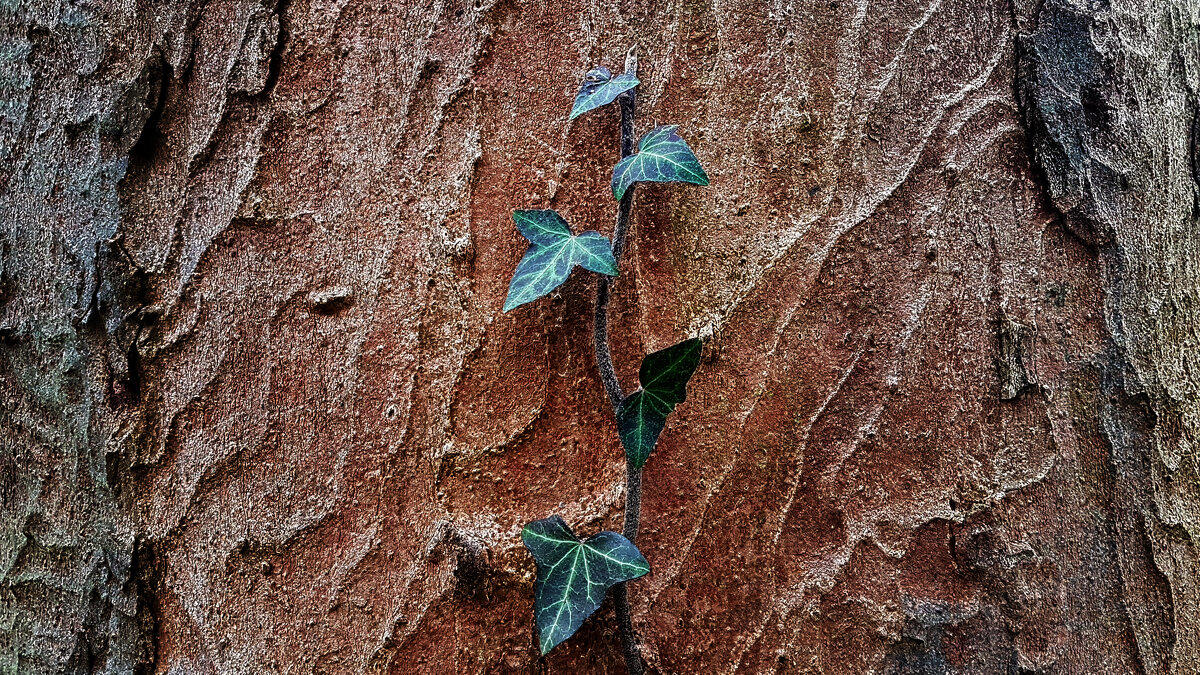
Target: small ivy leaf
<point x="573" y="575"/>
<point x="643" y="414"/>
<point x="600" y="88"/>
<point x="553" y="252"/>
<point x="662" y="157"/>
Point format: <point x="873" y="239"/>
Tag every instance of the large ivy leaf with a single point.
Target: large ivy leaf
<point x="553" y="252"/>
<point x="662" y="157"/>
<point x="600" y="88"/>
<point x="574" y="575"/>
<point x="643" y="414"/>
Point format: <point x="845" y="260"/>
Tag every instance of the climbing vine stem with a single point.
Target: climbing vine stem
<point x="608" y="375"/>
<point x="574" y="574"/>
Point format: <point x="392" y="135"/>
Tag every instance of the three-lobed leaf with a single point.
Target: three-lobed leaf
<point x="574" y="575"/>
<point x="553" y="252"/>
<point x="662" y="157"/>
<point x="643" y="414"/>
<point x="600" y="88"/>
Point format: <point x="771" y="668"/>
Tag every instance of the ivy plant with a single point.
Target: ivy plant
<point x="643" y="414"/>
<point x="574" y="575"/>
<point x="662" y="157"/>
<point x="600" y="88"/>
<point x="553" y="252"/>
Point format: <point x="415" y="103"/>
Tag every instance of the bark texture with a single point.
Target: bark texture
<point x="261" y="412"/>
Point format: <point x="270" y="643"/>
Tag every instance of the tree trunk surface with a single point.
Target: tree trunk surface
<point x="261" y="411"/>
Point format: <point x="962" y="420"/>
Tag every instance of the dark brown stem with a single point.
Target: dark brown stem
<point x="608" y="375"/>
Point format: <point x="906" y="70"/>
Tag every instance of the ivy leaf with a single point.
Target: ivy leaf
<point x="643" y="414"/>
<point x="573" y="575"/>
<point x="662" y="157"/>
<point x="600" y="88"/>
<point x="553" y="252"/>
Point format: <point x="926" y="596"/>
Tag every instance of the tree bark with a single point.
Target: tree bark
<point x="261" y="411"/>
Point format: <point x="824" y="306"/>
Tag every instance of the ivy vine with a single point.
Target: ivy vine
<point x="573" y="575"/>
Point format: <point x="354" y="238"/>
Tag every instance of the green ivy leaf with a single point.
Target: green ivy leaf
<point x="573" y="575"/>
<point x="662" y="157"/>
<point x="600" y="88"/>
<point x="643" y="414"/>
<point x="553" y="252"/>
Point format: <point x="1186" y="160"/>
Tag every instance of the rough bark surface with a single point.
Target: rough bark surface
<point x="261" y="412"/>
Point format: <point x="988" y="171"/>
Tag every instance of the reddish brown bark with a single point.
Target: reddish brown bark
<point x="262" y="412"/>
